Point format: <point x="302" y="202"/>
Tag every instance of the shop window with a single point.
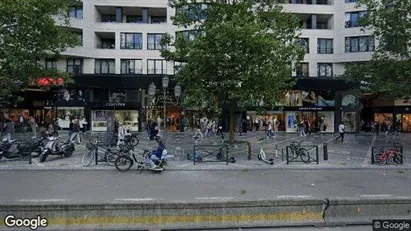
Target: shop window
<point x="66" y="114"/>
<point x="117" y="96"/>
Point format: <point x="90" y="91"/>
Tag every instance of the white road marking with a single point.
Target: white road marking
<point x="214" y="198"/>
<point x="367" y="159"/>
<point x="375" y="195"/>
<point x="37" y="163"/>
<point x="42" y="200"/>
<point x="135" y="199"/>
<point x="294" y="196"/>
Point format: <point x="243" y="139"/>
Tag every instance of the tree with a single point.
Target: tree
<point x="389" y="71"/>
<point x="28" y="32"/>
<point x="242" y="53"/>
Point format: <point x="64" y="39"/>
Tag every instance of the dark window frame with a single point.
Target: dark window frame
<point x="325" y="64"/>
<point x="300" y="70"/>
<point x="53" y="64"/>
<point x="326" y="49"/>
<point x="75" y="10"/>
<point x="155" y="46"/>
<point x="307" y="44"/>
<point x="370" y="46"/>
<point x="163" y="66"/>
<point x="134" y="67"/>
<point x="351" y="23"/>
<point x="108" y="66"/>
<point x="134" y="45"/>
<point x="77" y="68"/>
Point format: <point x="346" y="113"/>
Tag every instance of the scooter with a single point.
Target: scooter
<point x="262" y="156"/>
<point x="13" y="149"/>
<point x="38" y="144"/>
<point x="55" y="147"/>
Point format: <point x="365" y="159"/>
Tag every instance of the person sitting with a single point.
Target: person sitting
<point x="156" y="155"/>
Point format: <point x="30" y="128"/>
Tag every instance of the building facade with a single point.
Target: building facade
<point x="119" y="58"/>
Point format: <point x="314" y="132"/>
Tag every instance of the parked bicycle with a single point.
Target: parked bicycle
<point x="110" y="155"/>
<point x="390" y="156"/>
<point x="299" y="151"/>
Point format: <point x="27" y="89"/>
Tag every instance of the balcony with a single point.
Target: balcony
<point x="105" y="40"/>
<point x="112" y="14"/>
<point x="316" y="22"/>
<point x="310" y="2"/>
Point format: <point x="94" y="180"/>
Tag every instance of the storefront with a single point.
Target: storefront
<point x="70" y="104"/>
<point x="127" y="117"/>
<point x="276" y="118"/>
<point x="319" y="121"/>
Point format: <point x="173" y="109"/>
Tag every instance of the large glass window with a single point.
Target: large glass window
<point x="75" y="12"/>
<point x="131" y="41"/>
<point x="325" y="46"/>
<point x="105" y="66"/>
<point x="156" y="66"/>
<point x="302" y="70"/>
<point x="352" y="19"/>
<point x="305" y="43"/>
<point x="153" y="41"/>
<point x="359" y="44"/>
<point x="325" y="69"/>
<point x="131" y="66"/>
<point x="134" y="19"/>
<point x="51" y="64"/>
<point x="75" y="66"/>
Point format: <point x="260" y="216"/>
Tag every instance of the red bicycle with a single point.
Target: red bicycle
<point x="389" y="156"/>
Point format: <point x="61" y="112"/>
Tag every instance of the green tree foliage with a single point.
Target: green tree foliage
<point x="242" y="52"/>
<point x="28" y="32"/>
<point x="389" y="71"/>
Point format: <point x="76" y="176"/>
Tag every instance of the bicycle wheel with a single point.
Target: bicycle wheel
<point x="87" y="158"/>
<point x="134" y="141"/>
<point x="123" y="163"/>
<point x="111" y="158"/>
<point x="304" y="155"/>
<point x="380" y="159"/>
<point x="398" y="158"/>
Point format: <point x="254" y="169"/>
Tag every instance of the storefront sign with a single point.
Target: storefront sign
<point x="310" y="109"/>
<point x="110" y="104"/>
<point x="153" y="107"/>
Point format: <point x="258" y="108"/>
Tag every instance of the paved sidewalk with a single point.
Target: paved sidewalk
<point x="353" y="153"/>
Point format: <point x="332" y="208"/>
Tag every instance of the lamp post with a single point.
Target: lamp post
<point x="177" y="93"/>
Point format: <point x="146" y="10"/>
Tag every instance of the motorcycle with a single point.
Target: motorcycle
<point x="55" y="147"/>
<point x="38" y="144"/>
<point x="13" y="149"/>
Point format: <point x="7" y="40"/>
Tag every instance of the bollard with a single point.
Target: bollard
<point x="276" y="151"/>
<point x="325" y="151"/>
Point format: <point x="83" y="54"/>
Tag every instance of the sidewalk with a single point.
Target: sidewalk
<point x="353" y="153"/>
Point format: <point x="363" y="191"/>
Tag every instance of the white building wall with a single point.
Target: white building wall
<point x="91" y="24"/>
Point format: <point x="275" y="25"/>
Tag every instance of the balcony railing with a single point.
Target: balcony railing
<point x="156" y="71"/>
<point x="106" y="46"/>
<point x="136" y="46"/>
<point x="131" y="71"/>
<point x="308" y="2"/>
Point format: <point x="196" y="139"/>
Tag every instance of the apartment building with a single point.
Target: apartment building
<point x="119" y="58"/>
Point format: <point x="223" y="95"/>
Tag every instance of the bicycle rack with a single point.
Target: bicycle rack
<point x="208" y="150"/>
<point x="289" y="159"/>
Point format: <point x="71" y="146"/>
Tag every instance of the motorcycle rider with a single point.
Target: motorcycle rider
<point x="156" y="155"/>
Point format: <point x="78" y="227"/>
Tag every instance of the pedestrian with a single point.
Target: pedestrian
<point x="377" y="127"/>
<point x="33" y="126"/>
<point x="270" y="133"/>
<point x="341" y="129"/>
<point x="209" y="128"/>
<point x="198" y="132"/>
<point x="76" y="130"/>
<point x="256" y="124"/>
<point x="219" y="129"/>
<point x="9" y="129"/>
<point x="83" y="124"/>
<point x="121" y="134"/>
<point x="301" y="125"/>
<point x="307" y="126"/>
<point x="70" y="132"/>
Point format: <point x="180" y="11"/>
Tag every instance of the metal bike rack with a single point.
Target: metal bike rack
<point x="208" y="150"/>
<point x="289" y="159"/>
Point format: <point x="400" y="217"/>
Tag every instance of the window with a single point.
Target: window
<point x="305" y="43"/>
<point x="325" y="46"/>
<point x="325" y="69"/>
<point x="134" y="19"/>
<point x="199" y="9"/>
<point x="108" y="18"/>
<point x="158" y="19"/>
<point x="153" y="41"/>
<point x="189" y="34"/>
<point x="353" y="19"/>
<point x="131" y="66"/>
<point x="156" y="66"/>
<point x="178" y="65"/>
<point x="105" y="66"/>
<point x="359" y="44"/>
<point x="131" y="41"/>
<point x="80" y="39"/>
<point x="75" y="12"/>
<point x="348" y="1"/>
<point x="302" y="70"/>
<point x="107" y="44"/>
<point x="51" y="64"/>
<point x="75" y="66"/>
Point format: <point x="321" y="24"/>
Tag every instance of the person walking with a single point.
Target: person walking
<point x="33" y="126"/>
<point x="270" y="133"/>
<point x="9" y="129"/>
<point x="198" y="132"/>
<point x="76" y="131"/>
<point x="219" y="129"/>
<point x="341" y="129"/>
<point x="301" y="125"/>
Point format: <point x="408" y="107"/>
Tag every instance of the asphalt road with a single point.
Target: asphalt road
<point x="110" y="186"/>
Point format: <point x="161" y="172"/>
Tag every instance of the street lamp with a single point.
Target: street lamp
<point x="177" y="93"/>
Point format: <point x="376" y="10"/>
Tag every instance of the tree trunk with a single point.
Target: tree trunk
<point x="232" y="121"/>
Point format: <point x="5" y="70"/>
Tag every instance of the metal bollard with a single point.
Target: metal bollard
<point x="325" y="151"/>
